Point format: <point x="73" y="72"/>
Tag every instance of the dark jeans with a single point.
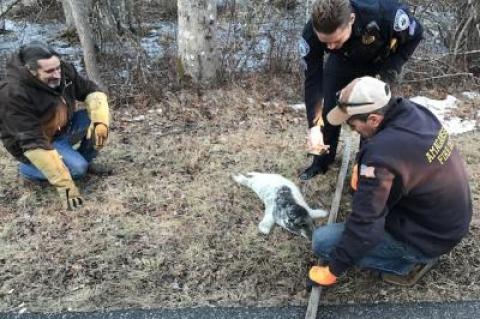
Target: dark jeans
<point x="77" y="161"/>
<point x="390" y="255"/>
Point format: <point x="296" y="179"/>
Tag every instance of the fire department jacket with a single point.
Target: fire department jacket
<point x="412" y="184"/>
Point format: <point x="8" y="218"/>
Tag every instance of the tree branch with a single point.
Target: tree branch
<point x="465" y="74"/>
<point x="10" y="6"/>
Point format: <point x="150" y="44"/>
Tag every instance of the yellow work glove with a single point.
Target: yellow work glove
<point x="322" y="275"/>
<point x="97" y="108"/>
<point x="53" y="168"/>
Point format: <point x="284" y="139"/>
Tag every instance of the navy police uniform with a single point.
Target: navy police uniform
<point x="384" y="36"/>
<point x="412" y="183"/>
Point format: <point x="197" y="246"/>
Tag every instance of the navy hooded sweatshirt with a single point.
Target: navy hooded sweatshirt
<point x="412" y="184"/>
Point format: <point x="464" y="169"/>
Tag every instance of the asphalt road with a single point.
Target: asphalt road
<point x="450" y="310"/>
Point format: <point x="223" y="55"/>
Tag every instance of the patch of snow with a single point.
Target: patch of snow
<point x="161" y="37"/>
<point x="139" y="118"/>
<point x="471" y="95"/>
<point x="23" y="32"/>
<point x="297" y="107"/>
<point x="441" y="108"/>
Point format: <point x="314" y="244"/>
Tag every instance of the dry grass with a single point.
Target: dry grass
<point x="171" y="229"/>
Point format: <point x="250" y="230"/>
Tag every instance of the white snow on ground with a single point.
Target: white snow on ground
<point x="298" y="106"/>
<point x="441" y="108"/>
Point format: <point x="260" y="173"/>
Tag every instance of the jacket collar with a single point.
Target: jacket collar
<point x="397" y="107"/>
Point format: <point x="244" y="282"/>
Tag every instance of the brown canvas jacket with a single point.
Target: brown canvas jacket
<point x="29" y="107"/>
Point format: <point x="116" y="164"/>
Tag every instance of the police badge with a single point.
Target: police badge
<point x="371" y="30"/>
<point x="402" y="22"/>
<point x="368" y="39"/>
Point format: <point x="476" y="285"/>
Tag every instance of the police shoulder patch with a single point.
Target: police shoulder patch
<point x="303" y="47"/>
<point x="402" y="21"/>
<point x="411" y="28"/>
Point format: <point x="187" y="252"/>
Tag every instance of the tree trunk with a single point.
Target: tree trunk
<point x="67" y="11"/>
<point x="197" y="50"/>
<point x="308" y="9"/>
<point x="5" y="6"/>
<point x="466" y="40"/>
<point x="122" y="14"/>
<point x="3" y="10"/>
<point x="85" y="33"/>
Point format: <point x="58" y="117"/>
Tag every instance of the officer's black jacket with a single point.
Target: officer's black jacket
<point x="412" y="184"/>
<point x="381" y="13"/>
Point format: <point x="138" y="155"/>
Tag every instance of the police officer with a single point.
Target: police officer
<point x="412" y="203"/>
<point x="362" y="37"/>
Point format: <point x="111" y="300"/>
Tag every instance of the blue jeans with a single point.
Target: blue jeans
<point x="77" y="161"/>
<point x="390" y="255"/>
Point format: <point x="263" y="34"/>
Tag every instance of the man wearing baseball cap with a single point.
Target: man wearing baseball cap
<point x="412" y="202"/>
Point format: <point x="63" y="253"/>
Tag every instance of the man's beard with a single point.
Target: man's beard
<point x="54" y="84"/>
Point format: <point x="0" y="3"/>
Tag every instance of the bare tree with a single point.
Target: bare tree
<point x="466" y="44"/>
<point x="67" y="11"/>
<point x="5" y="6"/>
<point x="85" y="33"/>
<point x="308" y="9"/>
<point x="120" y="14"/>
<point x="197" y="48"/>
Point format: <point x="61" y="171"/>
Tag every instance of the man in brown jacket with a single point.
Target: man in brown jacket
<point x="39" y="123"/>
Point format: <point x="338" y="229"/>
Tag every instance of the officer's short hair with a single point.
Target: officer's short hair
<point x="36" y="50"/>
<point x="329" y="15"/>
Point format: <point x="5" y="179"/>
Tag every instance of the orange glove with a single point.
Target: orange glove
<point x="322" y="275"/>
<point x="354" y="179"/>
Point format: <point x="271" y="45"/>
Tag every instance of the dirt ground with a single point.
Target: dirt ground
<point x="171" y="229"/>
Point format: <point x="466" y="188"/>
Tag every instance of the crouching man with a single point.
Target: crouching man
<point x="39" y="123"/>
<point x="412" y="201"/>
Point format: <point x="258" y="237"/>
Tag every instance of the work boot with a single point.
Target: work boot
<point x="318" y="166"/>
<point x="100" y="169"/>
<point x="411" y="278"/>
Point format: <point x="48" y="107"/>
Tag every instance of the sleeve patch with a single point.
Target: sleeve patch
<point x="367" y="171"/>
<point x="411" y="28"/>
<point x="402" y="22"/>
<point x="303" y="48"/>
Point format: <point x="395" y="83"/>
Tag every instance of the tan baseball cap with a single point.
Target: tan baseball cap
<point x="362" y="95"/>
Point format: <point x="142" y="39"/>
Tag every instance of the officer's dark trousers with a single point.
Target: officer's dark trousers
<point x="337" y="74"/>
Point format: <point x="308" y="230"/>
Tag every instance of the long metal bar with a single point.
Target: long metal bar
<point x="316" y="292"/>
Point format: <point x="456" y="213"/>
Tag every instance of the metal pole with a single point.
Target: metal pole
<point x="315" y="294"/>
